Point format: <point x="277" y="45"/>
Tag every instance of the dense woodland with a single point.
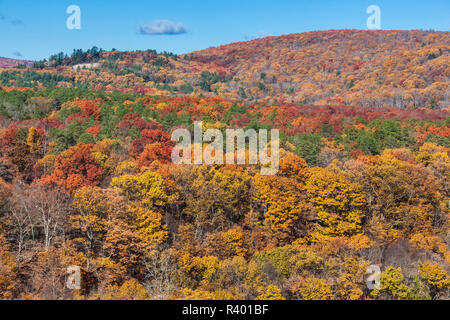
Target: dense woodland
<point x="404" y="69"/>
<point x="86" y="176"/>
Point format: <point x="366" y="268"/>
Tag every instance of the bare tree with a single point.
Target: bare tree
<point x="160" y="271"/>
<point x="39" y="211"/>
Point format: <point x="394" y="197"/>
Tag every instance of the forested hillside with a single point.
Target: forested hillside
<point x="404" y="69"/>
<point x="393" y="68"/>
<point x="11" y="63"/>
<point x="87" y="179"/>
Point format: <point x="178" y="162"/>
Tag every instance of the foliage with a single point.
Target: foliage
<point x="86" y="176"/>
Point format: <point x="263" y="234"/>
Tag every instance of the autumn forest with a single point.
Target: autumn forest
<point x="87" y="178"/>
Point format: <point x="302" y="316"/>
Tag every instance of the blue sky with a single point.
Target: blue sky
<point x="31" y="29"/>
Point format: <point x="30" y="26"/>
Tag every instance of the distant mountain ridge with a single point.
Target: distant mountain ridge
<point x="11" y="63"/>
<point x="404" y="69"/>
<point x="396" y="68"/>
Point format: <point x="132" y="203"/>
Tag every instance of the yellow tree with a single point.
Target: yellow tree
<point x="284" y="206"/>
<point x="436" y="277"/>
<point x="7" y="271"/>
<point x="34" y="142"/>
<point x="392" y="285"/>
<point x="151" y="230"/>
<point x="91" y="204"/>
<point x="272" y="292"/>
<point x="226" y="244"/>
<point x="402" y="196"/>
<point x="213" y="198"/>
<point x="339" y="204"/>
<point x="312" y="289"/>
<point x="129" y="290"/>
<point x="351" y="279"/>
<point x="147" y="187"/>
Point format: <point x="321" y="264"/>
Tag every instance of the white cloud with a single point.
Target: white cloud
<point x="162" y="27"/>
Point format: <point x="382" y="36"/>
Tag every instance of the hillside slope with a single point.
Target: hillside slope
<point x="397" y="68"/>
<point x="11" y="63"/>
<point x="89" y="177"/>
<point x="362" y="68"/>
